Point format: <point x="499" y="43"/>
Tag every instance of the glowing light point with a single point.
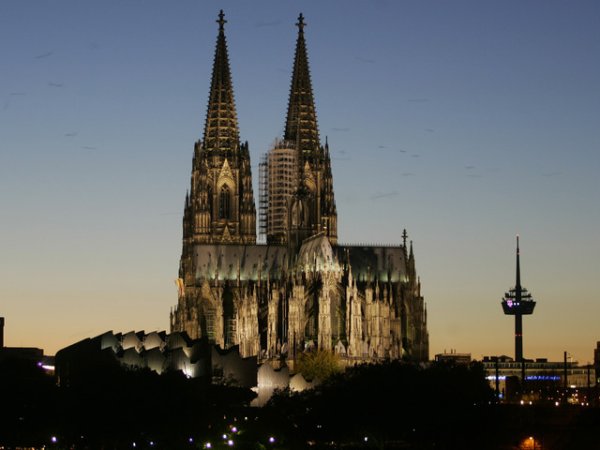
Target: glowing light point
<point x="230" y="443"/>
<point x="271" y="439"/>
<point x="53" y="439"/>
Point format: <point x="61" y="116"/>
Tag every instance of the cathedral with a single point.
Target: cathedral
<point x="298" y="289"/>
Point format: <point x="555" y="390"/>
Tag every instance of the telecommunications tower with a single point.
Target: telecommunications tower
<point x="518" y="302"/>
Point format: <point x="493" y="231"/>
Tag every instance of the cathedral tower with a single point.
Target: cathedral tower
<point x="221" y="195"/>
<point x="311" y="205"/>
<point x="220" y="206"/>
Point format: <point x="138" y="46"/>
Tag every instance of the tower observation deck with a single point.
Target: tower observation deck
<point x="518" y="302"/>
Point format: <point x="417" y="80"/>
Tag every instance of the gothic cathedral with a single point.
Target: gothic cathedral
<point x="300" y="290"/>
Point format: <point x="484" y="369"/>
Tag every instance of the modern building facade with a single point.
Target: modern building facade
<point x="453" y="357"/>
<point x="156" y="351"/>
<point x="301" y="289"/>
<point x="540" y="380"/>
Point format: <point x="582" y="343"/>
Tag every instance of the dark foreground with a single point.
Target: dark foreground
<point x="390" y="406"/>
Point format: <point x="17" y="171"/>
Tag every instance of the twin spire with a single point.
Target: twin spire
<point x="301" y="123"/>
<point x="221" y="131"/>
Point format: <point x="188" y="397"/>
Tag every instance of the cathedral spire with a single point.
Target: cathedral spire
<point x="301" y="122"/>
<point x="221" y="203"/>
<point x="221" y="130"/>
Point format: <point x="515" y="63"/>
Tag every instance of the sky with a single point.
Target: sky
<point x="466" y="123"/>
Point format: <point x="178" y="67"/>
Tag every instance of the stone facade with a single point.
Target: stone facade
<point x="301" y="290"/>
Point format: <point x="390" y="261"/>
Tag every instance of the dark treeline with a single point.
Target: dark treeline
<point x="393" y="405"/>
<point x="434" y="406"/>
<point x="110" y="408"/>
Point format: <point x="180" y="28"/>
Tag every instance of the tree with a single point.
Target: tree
<point x="318" y="365"/>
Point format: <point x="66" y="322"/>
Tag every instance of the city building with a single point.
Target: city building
<point x="29" y="354"/>
<point x="301" y="289"/>
<point x="535" y="380"/>
<point x="157" y="351"/>
<point x="453" y="357"/>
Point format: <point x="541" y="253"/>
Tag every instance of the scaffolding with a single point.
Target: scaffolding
<point x="282" y="162"/>
<point x="263" y="198"/>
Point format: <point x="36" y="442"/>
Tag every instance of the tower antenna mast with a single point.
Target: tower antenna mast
<point x="518" y="302"/>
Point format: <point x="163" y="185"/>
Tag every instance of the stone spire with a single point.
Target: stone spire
<point x="301" y="122"/>
<point x="220" y="207"/>
<point x="312" y="208"/>
<point x="411" y="265"/>
<point x="221" y="130"/>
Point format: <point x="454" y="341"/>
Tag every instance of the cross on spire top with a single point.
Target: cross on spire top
<point x="221" y="20"/>
<point x="301" y="23"/>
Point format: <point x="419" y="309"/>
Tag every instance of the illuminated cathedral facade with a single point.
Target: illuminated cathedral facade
<point x="300" y="290"/>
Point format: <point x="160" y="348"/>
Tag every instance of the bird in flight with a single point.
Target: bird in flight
<point x="43" y="55"/>
<point x="377" y="195"/>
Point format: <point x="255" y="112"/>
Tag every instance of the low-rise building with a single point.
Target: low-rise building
<point x="535" y="380"/>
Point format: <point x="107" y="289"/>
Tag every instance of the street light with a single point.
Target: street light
<point x="530" y="443"/>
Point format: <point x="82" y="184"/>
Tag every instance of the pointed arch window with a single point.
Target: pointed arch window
<point x="225" y="203"/>
<point x="211" y="202"/>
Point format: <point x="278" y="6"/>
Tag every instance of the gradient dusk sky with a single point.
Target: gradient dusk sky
<point x="465" y="122"/>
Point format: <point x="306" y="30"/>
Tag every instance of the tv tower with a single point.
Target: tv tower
<point x="518" y="302"/>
